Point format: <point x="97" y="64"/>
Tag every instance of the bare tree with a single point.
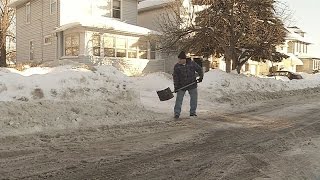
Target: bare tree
<point x="237" y="29"/>
<point x="7" y="18"/>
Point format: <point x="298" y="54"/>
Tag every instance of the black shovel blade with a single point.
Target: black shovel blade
<point x="165" y="94"/>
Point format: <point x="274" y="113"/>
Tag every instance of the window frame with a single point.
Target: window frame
<point x="96" y="45"/>
<point x="117" y="49"/>
<point x="72" y="35"/>
<point x="44" y="40"/>
<point x="133" y="49"/>
<point x="145" y="42"/>
<point x="113" y="9"/>
<point x="56" y="7"/>
<point x="107" y="47"/>
<point x="153" y="52"/>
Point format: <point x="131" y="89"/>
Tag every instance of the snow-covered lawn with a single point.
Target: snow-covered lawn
<point x="63" y="97"/>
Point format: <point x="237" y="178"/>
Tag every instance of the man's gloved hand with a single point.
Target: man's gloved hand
<point x="175" y="89"/>
<point x="200" y="79"/>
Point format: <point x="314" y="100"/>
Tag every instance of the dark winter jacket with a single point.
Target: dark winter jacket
<point x="186" y="74"/>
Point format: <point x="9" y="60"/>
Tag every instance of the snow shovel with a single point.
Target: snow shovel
<point x="167" y="94"/>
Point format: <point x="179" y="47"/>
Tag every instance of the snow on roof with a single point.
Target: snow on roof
<point x="296" y="29"/>
<point x="108" y="24"/>
<point x="152" y="4"/>
<point x="292" y="35"/>
<point x="16" y="3"/>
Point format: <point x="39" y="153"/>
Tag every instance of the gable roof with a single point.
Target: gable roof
<point x="153" y="4"/>
<point x="293" y="35"/>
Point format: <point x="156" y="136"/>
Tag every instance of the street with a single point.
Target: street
<point x="278" y="139"/>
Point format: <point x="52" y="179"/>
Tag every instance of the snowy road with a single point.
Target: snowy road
<point x="278" y="139"/>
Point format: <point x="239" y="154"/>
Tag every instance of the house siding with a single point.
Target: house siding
<point x="155" y="66"/>
<point x="148" y="19"/>
<point x="151" y="19"/>
<point x="41" y="24"/>
<point x="307" y="66"/>
<point x="130" y="11"/>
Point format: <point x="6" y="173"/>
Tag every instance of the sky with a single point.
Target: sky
<point x="305" y="16"/>
<point x="43" y="98"/>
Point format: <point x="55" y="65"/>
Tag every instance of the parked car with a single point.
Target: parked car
<point x="290" y="75"/>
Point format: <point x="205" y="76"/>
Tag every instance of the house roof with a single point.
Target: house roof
<point x="152" y="4"/>
<point x="16" y="3"/>
<point x="108" y="24"/>
<point x="292" y="35"/>
<point x="296" y="29"/>
<point x="310" y="57"/>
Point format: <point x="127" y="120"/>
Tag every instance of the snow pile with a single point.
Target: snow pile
<point x="66" y="97"/>
<point x="61" y="83"/>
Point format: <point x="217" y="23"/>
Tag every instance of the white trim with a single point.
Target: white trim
<point x="69" y="57"/>
<point x="26" y="15"/>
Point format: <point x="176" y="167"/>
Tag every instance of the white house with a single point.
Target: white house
<point x="89" y="31"/>
<point x="298" y="45"/>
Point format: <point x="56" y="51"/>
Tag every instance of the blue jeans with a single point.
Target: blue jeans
<point x="193" y="101"/>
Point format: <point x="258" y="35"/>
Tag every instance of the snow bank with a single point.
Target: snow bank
<point x="66" y="97"/>
<point x="61" y="83"/>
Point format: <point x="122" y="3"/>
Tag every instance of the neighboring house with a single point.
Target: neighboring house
<point x="150" y="14"/>
<point x="295" y="46"/>
<point x="95" y="31"/>
<point x="298" y="45"/>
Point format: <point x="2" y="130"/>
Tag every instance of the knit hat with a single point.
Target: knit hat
<point x="182" y="55"/>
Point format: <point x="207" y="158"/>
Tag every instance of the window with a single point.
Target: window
<point x="53" y="6"/>
<point x="143" y="49"/>
<point x="47" y="40"/>
<point x="116" y="9"/>
<point x="109" y="46"/>
<point x="132" y="48"/>
<point x="31" y="50"/>
<point x="96" y="41"/>
<point x="28" y="13"/>
<point x="72" y="45"/>
<point x="306" y="49"/>
<point x="152" y="50"/>
<point x="121" y="45"/>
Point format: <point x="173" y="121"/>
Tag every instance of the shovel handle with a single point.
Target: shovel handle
<point x="185" y="86"/>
